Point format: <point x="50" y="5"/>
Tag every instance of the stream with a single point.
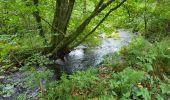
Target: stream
<point x="81" y="58"/>
<point x="84" y="57"/>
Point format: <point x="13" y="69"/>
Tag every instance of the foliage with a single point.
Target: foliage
<point x="154" y="60"/>
<point x="29" y="35"/>
<point x="38" y="60"/>
<point x="34" y="81"/>
<point x="142" y="54"/>
<point x="6" y="90"/>
<point x="148" y="17"/>
<point x="7" y="44"/>
<point x="95" y="83"/>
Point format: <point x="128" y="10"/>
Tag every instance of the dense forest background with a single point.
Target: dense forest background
<point x="35" y="34"/>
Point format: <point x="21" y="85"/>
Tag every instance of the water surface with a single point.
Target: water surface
<point x="84" y="57"/>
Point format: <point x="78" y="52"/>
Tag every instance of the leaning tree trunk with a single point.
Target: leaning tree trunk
<point x="60" y="43"/>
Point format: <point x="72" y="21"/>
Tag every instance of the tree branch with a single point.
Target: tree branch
<point x="52" y="25"/>
<point x="98" y="5"/>
<point x="126" y="8"/>
<point x="68" y="40"/>
<point x="94" y="29"/>
<point x="99" y="8"/>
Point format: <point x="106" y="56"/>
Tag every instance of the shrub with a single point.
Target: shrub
<point x="150" y="57"/>
<point x="95" y="83"/>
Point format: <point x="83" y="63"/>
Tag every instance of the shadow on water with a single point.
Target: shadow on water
<point x="83" y="57"/>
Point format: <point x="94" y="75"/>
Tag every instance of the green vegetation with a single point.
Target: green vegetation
<point x="143" y="74"/>
<point x="34" y="34"/>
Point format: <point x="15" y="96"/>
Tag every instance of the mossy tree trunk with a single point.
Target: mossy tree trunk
<point x="60" y="41"/>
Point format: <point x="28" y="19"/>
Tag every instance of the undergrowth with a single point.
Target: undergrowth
<point x="141" y="73"/>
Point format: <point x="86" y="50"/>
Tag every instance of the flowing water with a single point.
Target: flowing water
<point x="80" y="58"/>
<point x="84" y="57"/>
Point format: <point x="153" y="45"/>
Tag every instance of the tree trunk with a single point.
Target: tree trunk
<point x="145" y="18"/>
<point x="61" y="19"/>
<point x="60" y="42"/>
<point x="36" y="14"/>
